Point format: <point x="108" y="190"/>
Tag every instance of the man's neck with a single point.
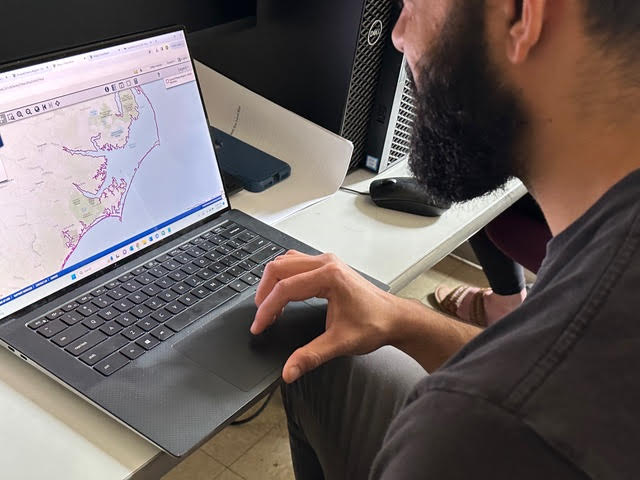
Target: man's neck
<point x="573" y="171"/>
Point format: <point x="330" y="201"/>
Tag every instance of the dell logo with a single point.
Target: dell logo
<point x="375" y="32"/>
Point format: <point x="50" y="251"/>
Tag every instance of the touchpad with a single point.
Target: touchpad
<point x="226" y="347"/>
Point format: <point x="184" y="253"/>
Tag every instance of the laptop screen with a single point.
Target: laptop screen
<point x="102" y="154"/>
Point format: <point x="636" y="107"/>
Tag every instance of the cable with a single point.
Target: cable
<point x="242" y="421"/>
<point x="350" y="190"/>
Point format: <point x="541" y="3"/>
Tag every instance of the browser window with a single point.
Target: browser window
<point x="102" y="154"/>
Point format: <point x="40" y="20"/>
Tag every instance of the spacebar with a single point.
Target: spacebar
<point x="186" y="318"/>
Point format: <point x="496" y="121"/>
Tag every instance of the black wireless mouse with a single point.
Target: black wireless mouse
<point x="406" y="195"/>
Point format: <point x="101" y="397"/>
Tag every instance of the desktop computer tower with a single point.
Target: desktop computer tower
<point x="330" y="61"/>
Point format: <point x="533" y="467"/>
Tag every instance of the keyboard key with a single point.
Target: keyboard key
<point x="103" y="350"/>
<point x="236" y="271"/>
<point x="200" y="292"/>
<point x="180" y="322"/>
<point x="126" y="319"/>
<point x="177" y="275"/>
<point x="201" y="263"/>
<point x="183" y="258"/>
<point x="140" y="311"/>
<point x="240" y="254"/>
<point x="171" y="265"/>
<point x="139" y="271"/>
<point x="109" y="313"/>
<point x="151" y="264"/>
<point x="69" y="335"/>
<point x="55" y="314"/>
<point x="259" y="271"/>
<point x="103" y="301"/>
<point x="214" y="285"/>
<point x="78" y="347"/>
<point x="181" y="288"/>
<point x="112" y="364"/>
<point x="117" y="293"/>
<point x="266" y="253"/>
<point x="234" y="244"/>
<point x="218" y="267"/>
<point x="214" y="256"/>
<point x="193" y="281"/>
<point x="229" y="261"/>
<point x="111" y="328"/>
<point x="223" y="249"/>
<point x="168" y="295"/>
<point x="239" y="286"/>
<point x="51" y="328"/>
<point x="71" y="318"/>
<point x="174" y="307"/>
<point x="155" y="303"/>
<point x="37" y="323"/>
<point x="138" y="297"/>
<point x="132" y="332"/>
<point x="86" y="310"/>
<point x="84" y="299"/>
<point x="131" y="286"/>
<point x="148" y="342"/>
<point x="255" y="245"/>
<point x="161" y="315"/>
<point x="246" y="236"/>
<point x="145" y="279"/>
<point x="163" y="258"/>
<point x="124" y="305"/>
<point x="197" y="241"/>
<point x="70" y="306"/>
<point x="174" y="252"/>
<point x="151" y="290"/>
<point x="190" y="269"/>
<point x="225" y="278"/>
<point x="112" y="285"/>
<point x="188" y="299"/>
<point x="205" y="274"/>
<point x="162" y="333"/>
<point x="132" y="351"/>
<point x="196" y="252"/>
<point x="158" y="271"/>
<point x="147" y="324"/>
<point x="231" y="231"/>
<point x="206" y="235"/>
<point x="99" y="291"/>
<point x="250" y="278"/>
<point x="125" y="278"/>
<point x="93" y="322"/>
<point x="165" y="282"/>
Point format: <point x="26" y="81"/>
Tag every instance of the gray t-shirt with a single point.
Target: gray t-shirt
<point x="552" y="390"/>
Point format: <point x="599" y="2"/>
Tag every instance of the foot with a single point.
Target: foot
<point x="478" y="306"/>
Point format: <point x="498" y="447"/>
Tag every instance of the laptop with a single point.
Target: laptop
<point x="125" y="274"/>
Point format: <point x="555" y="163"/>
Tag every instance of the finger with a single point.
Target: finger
<point x="284" y="267"/>
<point x="317" y="352"/>
<point x="296" y="288"/>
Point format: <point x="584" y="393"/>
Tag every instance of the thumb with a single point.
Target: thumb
<point x="311" y="356"/>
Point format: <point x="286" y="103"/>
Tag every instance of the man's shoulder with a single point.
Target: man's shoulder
<point x="451" y="434"/>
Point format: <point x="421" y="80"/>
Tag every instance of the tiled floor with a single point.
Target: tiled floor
<point x="259" y="450"/>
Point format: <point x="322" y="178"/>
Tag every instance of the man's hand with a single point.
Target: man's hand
<point x="359" y="315"/>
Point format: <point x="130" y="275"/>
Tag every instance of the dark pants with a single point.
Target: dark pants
<point x="516" y="238"/>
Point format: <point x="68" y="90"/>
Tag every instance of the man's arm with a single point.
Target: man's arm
<point x="360" y="317"/>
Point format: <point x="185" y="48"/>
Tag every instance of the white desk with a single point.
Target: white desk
<point x="46" y="432"/>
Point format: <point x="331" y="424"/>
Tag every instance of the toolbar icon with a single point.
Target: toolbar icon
<point x="121" y="85"/>
<point x="37" y="109"/>
<point x="11" y="117"/>
<point x="106" y="89"/>
<point x="135" y="80"/>
<point x="44" y="107"/>
<point x="19" y="114"/>
<point x="128" y="83"/>
<point x="57" y="103"/>
<point x="27" y="111"/>
<point x="3" y="119"/>
<point x="113" y="87"/>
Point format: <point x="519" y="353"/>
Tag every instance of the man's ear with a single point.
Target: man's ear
<point x="526" y="30"/>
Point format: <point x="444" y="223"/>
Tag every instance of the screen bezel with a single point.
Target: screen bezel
<point x="56" y="55"/>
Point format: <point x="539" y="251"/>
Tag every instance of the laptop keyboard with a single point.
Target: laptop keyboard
<point x="125" y="318"/>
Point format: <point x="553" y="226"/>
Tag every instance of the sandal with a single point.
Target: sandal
<point x="449" y="300"/>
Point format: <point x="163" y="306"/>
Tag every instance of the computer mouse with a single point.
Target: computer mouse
<point x="406" y="195"/>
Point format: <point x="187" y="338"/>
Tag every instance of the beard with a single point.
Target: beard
<point x="469" y="127"/>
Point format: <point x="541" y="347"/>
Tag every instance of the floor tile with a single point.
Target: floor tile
<point x="228" y="475"/>
<point x="233" y="441"/>
<point x="198" y="466"/>
<point x="269" y="459"/>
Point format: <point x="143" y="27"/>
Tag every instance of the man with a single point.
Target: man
<point x="547" y="91"/>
